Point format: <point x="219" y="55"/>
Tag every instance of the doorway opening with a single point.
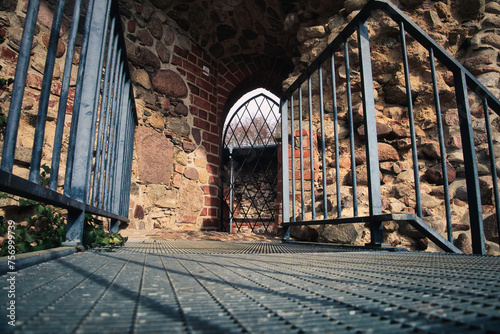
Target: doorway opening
<point x="250" y="164"/>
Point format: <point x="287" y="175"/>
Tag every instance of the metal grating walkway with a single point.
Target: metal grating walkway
<point x="221" y="287"/>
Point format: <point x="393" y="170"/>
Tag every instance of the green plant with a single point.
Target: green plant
<point x="95" y="235"/>
<point x="44" y="176"/>
<point x="46" y="229"/>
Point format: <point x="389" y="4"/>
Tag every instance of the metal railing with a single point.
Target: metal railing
<point x="100" y="144"/>
<point x="294" y="214"/>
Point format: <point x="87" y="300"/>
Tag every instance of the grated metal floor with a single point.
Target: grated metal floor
<point x="222" y="287"/>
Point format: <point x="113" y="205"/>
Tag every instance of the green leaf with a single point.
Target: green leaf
<point x="29" y="237"/>
<point x="106" y="241"/>
<point x="24" y="247"/>
<point x="26" y="202"/>
<point x="39" y="247"/>
<point x="39" y="208"/>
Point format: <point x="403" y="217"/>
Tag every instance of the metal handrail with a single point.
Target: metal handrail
<point x="463" y="80"/>
<point x="84" y="178"/>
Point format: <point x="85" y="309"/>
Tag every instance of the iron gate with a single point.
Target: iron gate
<point x="250" y="166"/>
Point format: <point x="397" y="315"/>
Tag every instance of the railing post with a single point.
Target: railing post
<point x="84" y="136"/>
<point x="374" y="192"/>
<point x="471" y="174"/>
<point x="285" y="169"/>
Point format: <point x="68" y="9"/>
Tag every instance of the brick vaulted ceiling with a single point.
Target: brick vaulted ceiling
<point x="230" y="27"/>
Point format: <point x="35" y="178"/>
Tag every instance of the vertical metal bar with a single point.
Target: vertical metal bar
<point x="301" y="157"/>
<point x="111" y="133"/>
<point x="374" y="192"/>
<point x="292" y="144"/>
<point x="130" y="151"/>
<point x="311" y="147"/>
<point x="124" y="201"/>
<point x="78" y="98"/>
<point x="90" y="162"/>
<point x="43" y="105"/>
<point x="336" y="135"/>
<point x="492" y="162"/>
<point x="129" y="136"/>
<point x="411" y="117"/>
<point x="107" y="121"/>
<point x="351" y="130"/>
<point x="285" y="168"/>
<point x="128" y="156"/>
<point x="231" y="190"/>
<point x="323" y="153"/>
<point x="116" y="136"/>
<point x="471" y="175"/>
<point x="61" y="114"/>
<point x="10" y="138"/>
<point x="120" y="150"/>
<point x="449" y="228"/>
<point x="102" y="112"/>
<point x="78" y="173"/>
<point x="123" y="157"/>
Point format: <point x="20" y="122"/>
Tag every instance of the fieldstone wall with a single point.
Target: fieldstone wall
<point x="468" y="30"/>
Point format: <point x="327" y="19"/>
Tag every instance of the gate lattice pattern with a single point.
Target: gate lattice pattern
<point x="250" y="166"/>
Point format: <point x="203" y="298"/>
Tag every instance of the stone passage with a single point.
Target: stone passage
<point x="183" y="287"/>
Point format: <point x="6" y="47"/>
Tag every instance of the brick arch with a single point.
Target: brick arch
<point x="252" y="73"/>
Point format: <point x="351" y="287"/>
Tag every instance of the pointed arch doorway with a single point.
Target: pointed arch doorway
<point x="250" y="164"/>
